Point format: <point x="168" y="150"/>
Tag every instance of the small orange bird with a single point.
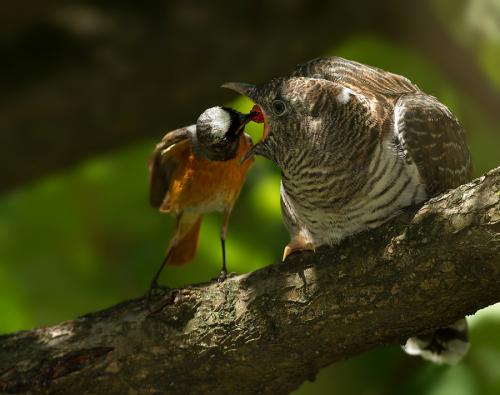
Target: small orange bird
<point x="196" y="170"/>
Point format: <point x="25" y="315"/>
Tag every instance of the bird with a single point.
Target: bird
<point x="196" y="170"/>
<point x="356" y="144"/>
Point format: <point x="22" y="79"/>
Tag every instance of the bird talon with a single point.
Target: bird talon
<point x="222" y="277"/>
<point x="154" y="290"/>
<point x="293" y="248"/>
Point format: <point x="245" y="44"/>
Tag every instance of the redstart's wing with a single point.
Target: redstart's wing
<point x="162" y="163"/>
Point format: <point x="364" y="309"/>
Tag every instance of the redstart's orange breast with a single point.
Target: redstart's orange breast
<point x="201" y="185"/>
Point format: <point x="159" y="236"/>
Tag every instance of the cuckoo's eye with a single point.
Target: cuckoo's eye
<point x="279" y="107"/>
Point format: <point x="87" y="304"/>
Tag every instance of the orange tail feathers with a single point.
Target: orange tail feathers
<point x="186" y="248"/>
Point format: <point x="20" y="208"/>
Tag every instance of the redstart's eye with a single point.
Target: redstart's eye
<point x="279" y="107"/>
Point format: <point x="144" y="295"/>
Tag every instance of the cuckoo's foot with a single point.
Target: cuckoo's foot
<point x="298" y="243"/>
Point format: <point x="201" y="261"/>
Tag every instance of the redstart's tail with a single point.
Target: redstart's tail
<point x="185" y="249"/>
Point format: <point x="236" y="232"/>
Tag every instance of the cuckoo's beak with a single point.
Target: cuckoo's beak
<point x="256" y="149"/>
<point x="242" y="88"/>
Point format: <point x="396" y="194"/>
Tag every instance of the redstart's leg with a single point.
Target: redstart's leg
<point x="154" y="283"/>
<point x="173" y="242"/>
<point x="223" y="232"/>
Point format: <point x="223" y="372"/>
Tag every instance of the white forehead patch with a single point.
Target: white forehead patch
<point x="218" y="119"/>
<point x="345" y="95"/>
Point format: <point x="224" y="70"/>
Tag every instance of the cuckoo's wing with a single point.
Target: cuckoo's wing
<point x="428" y="133"/>
<point x="163" y="162"/>
<point x="355" y="75"/>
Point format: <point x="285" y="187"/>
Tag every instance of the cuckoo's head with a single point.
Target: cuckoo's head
<point x="296" y="112"/>
<point x="218" y="132"/>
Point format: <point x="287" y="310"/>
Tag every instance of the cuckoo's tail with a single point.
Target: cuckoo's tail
<point x="185" y="249"/>
<point x="446" y="345"/>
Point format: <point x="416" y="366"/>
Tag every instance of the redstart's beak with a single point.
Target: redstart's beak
<point x="250" y="91"/>
<point x="244" y="119"/>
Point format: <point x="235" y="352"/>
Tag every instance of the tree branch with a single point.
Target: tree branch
<point x="268" y="331"/>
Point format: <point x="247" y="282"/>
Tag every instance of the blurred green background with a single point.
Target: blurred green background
<point x="83" y="237"/>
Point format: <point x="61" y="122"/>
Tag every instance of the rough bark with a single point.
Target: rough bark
<point x="270" y="330"/>
<point x="82" y="78"/>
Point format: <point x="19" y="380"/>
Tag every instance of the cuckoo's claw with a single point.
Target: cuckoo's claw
<point x="297" y="244"/>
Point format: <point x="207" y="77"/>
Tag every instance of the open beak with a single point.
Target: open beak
<point x="254" y="150"/>
<point x="242" y="88"/>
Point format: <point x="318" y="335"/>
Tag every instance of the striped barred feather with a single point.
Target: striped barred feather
<point x="343" y="204"/>
<point x="350" y="73"/>
<point x="357" y="146"/>
<point x="432" y="137"/>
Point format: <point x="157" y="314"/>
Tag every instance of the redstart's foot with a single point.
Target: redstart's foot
<point x="153" y="290"/>
<point x="222" y="276"/>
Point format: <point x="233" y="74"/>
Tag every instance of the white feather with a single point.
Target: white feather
<point x="219" y="119"/>
<point x="455" y="350"/>
<point x="345" y="95"/>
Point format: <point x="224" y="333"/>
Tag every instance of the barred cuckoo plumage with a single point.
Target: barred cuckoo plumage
<point x="356" y="144"/>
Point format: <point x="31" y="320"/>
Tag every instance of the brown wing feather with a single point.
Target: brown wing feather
<point x="356" y="75"/>
<point x="432" y="137"/>
<point x="162" y="164"/>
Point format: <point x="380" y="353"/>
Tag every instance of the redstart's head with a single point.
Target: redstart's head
<point x="218" y="132"/>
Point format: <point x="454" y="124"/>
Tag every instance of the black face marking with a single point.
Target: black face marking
<point x="237" y="124"/>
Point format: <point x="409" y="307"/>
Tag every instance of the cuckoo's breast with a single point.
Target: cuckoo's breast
<point x="331" y="205"/>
